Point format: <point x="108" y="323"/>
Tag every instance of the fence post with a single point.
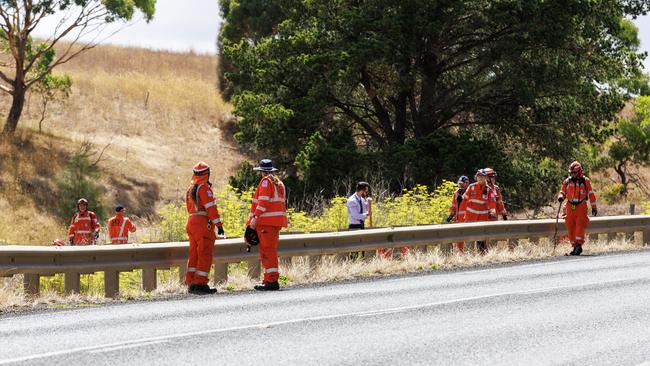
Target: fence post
<point x="220" y="273"/>
<point x="32" y="284"/>
<point x="149" y="279"/>
<point x="254" y="268"/>
<point x="632" y="208"/>
<point x="111" y="283"/>
<point x="182" y="269"/>
<point x="72" y="283"/>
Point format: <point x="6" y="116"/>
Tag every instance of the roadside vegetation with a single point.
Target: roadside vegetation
<point x="295" y="272"/>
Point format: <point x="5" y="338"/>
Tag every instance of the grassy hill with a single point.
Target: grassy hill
<point x="149" y="116"/>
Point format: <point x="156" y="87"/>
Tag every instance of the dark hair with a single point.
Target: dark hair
<point x="362" y="185"/>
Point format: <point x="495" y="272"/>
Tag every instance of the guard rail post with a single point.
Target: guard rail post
<point x="149" y="279"/>
<point x="220" y="273"/>
<point x="111" y="283"/>
<point x="31" y="284"/>
<point x="71" y="283"/>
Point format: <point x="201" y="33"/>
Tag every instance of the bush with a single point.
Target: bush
<point x="79" y="179"/>
<point x="612" y="193"/>
<point x="413" y="207"/>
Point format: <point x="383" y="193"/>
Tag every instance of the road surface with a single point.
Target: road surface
<point x="582" y="311"/>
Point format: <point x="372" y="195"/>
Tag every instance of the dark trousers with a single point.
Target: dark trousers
<point x="356" y="226"/>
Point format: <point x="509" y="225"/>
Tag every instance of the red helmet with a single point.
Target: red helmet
<point x="576" y="168"/>
<point x="201" y="168"/>
<point x="58" y="243"/>
<point x="481" y="173"/>
<point x="490" y="172"/>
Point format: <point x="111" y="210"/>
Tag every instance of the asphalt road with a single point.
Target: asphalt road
<point x="584" y="311"/>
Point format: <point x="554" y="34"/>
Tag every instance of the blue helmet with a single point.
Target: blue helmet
<point x="463" y="179"/>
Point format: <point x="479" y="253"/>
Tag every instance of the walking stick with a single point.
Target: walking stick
<point x="557" y="220"/>
<point x="370" y="211"/>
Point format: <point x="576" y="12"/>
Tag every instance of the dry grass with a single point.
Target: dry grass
<point x="298" y="272"/>
<point x="158" y="112"/>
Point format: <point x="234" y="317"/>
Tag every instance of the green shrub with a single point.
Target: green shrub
<point x="612" y="193"/>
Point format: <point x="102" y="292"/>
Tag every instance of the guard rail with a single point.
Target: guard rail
<point x="36" y="261"/>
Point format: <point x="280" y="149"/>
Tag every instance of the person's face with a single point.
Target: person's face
<point x="481" y="179"/>
<point x="82" y="207"/>
<point x="364" y="192"/>
<point x="574" y="173"/>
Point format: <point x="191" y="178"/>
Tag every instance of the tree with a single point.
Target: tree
<point x="538" y="74"/>
<point x="630" y="145"/>
<point x="51" y="88"/>
<point x="27" y="62"/>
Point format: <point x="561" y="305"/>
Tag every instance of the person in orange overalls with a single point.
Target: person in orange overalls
<point x="458" y="207"/>
<point x="84" y="228"/>
<point x="501" y="207"/>
<point x="120" y="226"/>
<point x="576" y="189"/>
<point x="268" y="215"/>
<point x="481" y="203"/>
<point x="202" y="222"/>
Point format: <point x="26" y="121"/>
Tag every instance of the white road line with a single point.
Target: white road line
<point x="111" y="349"/>
<point x="146" y="341"/>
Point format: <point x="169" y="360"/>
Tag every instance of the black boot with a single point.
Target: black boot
<point x="268" y="286"/>
<point x="573" y="252"/>
<point x="578" y="249"/>
<point x="201" y="290"/>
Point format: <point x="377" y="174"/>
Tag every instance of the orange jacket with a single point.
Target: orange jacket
<point x="269" y="203"/>
<point x="481" y="203"/>
<point x="456" y="209"/>
<point x="577" y="190"/>
<point x="201" y="205"/>
<point x="119" y="228"/>
<point x="82" y="228"/>
<point x="501" y="207"/>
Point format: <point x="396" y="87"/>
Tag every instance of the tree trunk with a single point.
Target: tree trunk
<point x="16" y="110"/>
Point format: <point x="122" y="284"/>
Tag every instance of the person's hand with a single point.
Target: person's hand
<point x="253" y="223"/>
<point x="220" y="231"/>
<point x="560" y="199"/>
<point x="449" y="218"/>
<point x="594" y="211"/>
<point x="96" y="234"/>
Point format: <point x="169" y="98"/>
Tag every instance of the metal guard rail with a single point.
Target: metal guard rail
<point x="36" y="261"/>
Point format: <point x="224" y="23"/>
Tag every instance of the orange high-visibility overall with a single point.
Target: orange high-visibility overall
<point x="481" y="203"/>
<point x="82" y="228"/>
<point x="119" y="228"/>
<point x="269" y="208"/>
<point x="576" y="191"/>
<point x="201" y="223"/>
<point x="457" y="210"/>
<point x="501" y="207"/>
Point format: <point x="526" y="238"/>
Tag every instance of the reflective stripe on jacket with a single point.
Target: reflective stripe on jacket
<point x="269" y="203"/>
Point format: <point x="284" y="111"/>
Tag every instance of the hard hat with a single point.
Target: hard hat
<point x="82" y="200"/>
<point x="490" y="172"/>
<point x="201" y="168"/>
<point x="575" y="167"/>
<point x="251" y="237"/>
<point x="463" y="179"/>
<point x="119" y="208"/>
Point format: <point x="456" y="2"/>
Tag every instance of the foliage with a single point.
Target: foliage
<point x="397" y="78"/>
<point x="31" y="62"/>
<point x="612" y="193"/>
<point x="629" y="145"/>
<point x="417" y="206"/>
<point x="52" y="88"/>
<point x="79" y="179"/>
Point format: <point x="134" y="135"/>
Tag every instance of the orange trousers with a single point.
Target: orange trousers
<point x="269" y="238"/>
<point x="201" y="248"/>
<point x="576" y="221"/>
<point x="388" y="252"/>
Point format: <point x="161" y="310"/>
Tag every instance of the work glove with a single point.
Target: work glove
<point x="594" y="211"/>
<point x="560" y="199"/>
<point x="253" y="223"/>
<point x="96" y="234"/>
<point x="220" y="231"/>
<point x="505" y="217"/>
<point x="449" y="218"/>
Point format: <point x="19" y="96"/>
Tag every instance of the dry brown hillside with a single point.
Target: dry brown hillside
<point x="155" y="112"/>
